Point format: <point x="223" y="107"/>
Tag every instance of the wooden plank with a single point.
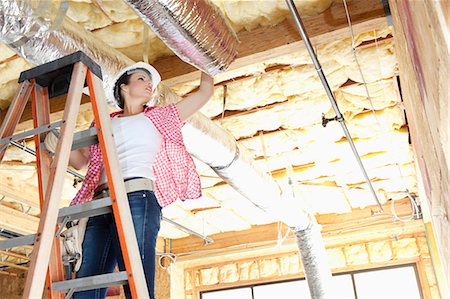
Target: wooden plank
<point x="12" y="265"/>
<point x="17" y="221"/>
<point x="41" y="253"/>
<point x="20" y="191"/>
<point x="435" y="258"/>
<point x="424" y="66"/>
<point x="358" y="225"/>
<point x="14" y="254"/>
<point x="56" y="110"/>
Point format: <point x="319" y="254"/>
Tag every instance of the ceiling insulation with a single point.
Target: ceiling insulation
<point x="274" y="111"/>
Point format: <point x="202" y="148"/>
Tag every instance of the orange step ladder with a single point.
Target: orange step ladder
<point x="68" y="75"/>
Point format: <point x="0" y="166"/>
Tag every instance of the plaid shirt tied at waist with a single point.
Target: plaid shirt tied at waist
<point x="174" y="169"/>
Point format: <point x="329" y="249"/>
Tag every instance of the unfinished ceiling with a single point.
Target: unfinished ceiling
<point x="273" y="106"/>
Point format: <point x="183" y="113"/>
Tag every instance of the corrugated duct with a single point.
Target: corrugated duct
<point x="210" y="47"/>
<point x="204" y="139"/>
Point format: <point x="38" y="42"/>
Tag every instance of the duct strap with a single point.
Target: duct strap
<point x="236" y="156"/>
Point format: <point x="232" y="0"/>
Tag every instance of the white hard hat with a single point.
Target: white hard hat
<point x="114" y="92"/>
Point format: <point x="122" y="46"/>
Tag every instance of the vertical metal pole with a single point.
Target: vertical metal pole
<point x="330" y="95"/>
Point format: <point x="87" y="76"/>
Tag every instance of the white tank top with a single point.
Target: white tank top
<point x="137" y="143"/>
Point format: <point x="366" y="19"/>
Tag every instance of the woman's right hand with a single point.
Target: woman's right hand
<point x="78" y="158"/>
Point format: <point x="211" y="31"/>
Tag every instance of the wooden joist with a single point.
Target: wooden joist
<point x="17" y="221"/>
<point x="338" y="229"/>
<point x="20" y="191"/>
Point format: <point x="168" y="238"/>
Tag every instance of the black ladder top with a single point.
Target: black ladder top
<point x="56" y="74"/>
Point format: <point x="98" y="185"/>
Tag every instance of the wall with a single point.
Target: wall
<point x="421" y="36"/>
<point x="11" y="285"/>
<point x="277" y="267"/>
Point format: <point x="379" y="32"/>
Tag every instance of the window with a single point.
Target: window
<point x="394" y="282"/>
<point x="229" y="294"/>
<point x="388" y="283"/>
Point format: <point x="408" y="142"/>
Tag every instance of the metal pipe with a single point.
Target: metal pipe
<point x="339" y="117"/>
<point x="189" y="231"/>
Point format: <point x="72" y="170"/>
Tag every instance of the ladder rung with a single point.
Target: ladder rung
<point x="31" y="132"/>
<point x="88" y="209"/>
<point x="92" y="282"/>
<point x="17" y="241"/>
<point x="85" y="138"/>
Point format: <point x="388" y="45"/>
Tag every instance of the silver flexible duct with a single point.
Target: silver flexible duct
<point x="210" y="47"/>
<point x="314" y="260"/>
<point x="204" y="139"/>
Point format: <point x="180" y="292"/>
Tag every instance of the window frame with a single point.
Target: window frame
<point x="351" y="273"/>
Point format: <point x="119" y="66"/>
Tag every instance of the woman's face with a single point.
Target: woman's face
<point x="139" y="87"/>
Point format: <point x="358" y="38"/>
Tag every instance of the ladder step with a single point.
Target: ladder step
<point x="85" y="138"/>
<point x="56" y="74"/>
<point x="88" y="209"/>
<point x="17" y="241"/>
<point x="92" y="282"/>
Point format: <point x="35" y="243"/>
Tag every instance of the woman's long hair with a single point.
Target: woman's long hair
<point x="163" y="96"/>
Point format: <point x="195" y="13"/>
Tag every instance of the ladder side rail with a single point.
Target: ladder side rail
<point x="46" y="231"/>
<point x="41" y="116"/>
<point x="14" y="113"/>
<point x="120" y="205"/>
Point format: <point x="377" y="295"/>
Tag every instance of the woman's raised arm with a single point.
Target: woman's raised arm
<point x="193" y="102"/>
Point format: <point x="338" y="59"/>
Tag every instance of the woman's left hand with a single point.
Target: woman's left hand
<point x="195" y="101"/>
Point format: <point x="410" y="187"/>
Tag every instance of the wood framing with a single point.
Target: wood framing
<point x="21" y="192"/>
<point x="17" y="221"/>
<point x="357" y="226"/>
<point x="424" y="65"/>
<point x="286" y="266"/>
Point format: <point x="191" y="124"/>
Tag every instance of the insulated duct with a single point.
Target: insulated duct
<point x="204" y="139"/>
<point x="210" y="47"/>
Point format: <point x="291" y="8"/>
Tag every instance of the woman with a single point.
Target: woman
<point x="155" y="165"/>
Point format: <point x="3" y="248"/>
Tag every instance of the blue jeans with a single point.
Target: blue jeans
<point x="101" y="248"/>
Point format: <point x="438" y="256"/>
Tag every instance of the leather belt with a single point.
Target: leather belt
<point x="132" y="185"/>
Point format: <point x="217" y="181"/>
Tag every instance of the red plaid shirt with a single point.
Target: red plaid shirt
<point x="174" y="169"/>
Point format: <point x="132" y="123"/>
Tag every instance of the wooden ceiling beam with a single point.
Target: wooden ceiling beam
<point x="17" y="222"/>
<point x="12" y="265"/>
<point x="57" y="105"/>
<point x="14" y="254"/>
<point x="20" y="191"/>
<point x="337" y="229"/>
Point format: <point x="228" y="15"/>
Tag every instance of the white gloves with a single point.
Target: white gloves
<point x="51" y="140"/>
